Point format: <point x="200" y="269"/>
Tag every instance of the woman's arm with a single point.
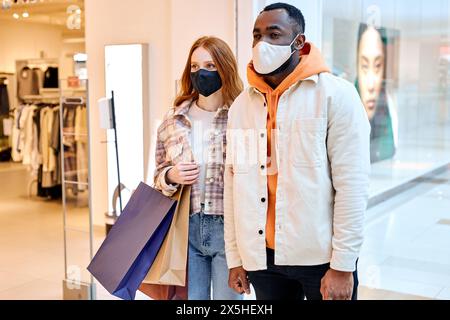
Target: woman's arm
<point x="162" y="167"/>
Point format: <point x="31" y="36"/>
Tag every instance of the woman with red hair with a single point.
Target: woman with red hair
<point x="191" y="151"/>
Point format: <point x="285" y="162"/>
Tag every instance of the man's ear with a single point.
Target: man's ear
<point x="300" y="42"/>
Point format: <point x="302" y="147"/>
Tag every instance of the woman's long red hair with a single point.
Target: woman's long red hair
<point x="226" y="65"/>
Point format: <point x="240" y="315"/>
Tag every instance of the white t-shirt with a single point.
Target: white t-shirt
<point x="202" y="127"/>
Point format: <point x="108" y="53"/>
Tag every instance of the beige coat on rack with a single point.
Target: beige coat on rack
<point x="81" y="139"/>
<point x="48" y="156"/>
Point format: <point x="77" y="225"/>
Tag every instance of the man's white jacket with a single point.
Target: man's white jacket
<point x="322" y="147"/>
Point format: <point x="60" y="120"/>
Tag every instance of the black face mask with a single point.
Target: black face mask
<point x="206" y="82"/>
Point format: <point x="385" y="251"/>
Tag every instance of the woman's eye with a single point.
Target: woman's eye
<point x="274" y="35"/>
<point x="256" y="36"/>
<point x="194" y="67"/>
<point x="211" y="66"/>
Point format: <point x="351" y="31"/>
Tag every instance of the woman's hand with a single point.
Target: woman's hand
<point x="185" y="173"/>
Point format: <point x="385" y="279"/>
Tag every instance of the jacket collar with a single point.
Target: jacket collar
<point x="314" y="78"/>
<point x="183" y="109"/>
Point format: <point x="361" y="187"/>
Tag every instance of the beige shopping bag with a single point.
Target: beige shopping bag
<point x="169" y="267"/>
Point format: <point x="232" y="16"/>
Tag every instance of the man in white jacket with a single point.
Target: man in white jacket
<point x="297" y="172"/>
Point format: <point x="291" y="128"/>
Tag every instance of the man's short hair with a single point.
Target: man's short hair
<point x="295" y="14"/>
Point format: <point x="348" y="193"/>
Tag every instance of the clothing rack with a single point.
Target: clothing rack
<point x="33" y="122"/>
<point x="73" y="101"/>
<point x="34" y="99"/>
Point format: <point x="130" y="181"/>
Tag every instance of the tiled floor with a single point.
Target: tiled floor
<point x="406" y="254"/>
<point x="407" y="242"/>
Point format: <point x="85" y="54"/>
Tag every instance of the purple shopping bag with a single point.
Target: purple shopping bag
<point x="126" y="255"/>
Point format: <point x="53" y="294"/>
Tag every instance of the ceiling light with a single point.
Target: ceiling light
<point x="25" y="14"/>
<point x="16" y="16"/>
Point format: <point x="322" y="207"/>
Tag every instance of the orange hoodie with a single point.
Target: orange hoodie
<point x="311" y="64"/>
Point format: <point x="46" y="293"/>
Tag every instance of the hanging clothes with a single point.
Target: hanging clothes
<point x="22" y="125"/>
<point x="15" y="154"/>
<point x="36" y="143"/>
<point x="51" y="78"/>
<point x="48" y="155"/>
<point x="81" y="139"/>
<point x="70" y="149"/>
<point x="38" y="79"/>
<point x="36" y="153"/>
<point x="4" y="100"/>
<point x="27" y="84"/>
<point x="28" y="135"/>
<point x="55" y="144"/>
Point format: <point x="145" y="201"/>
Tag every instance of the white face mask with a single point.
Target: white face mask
<point x="268" y="57"/>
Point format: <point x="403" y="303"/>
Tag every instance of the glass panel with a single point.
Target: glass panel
<point x="397" y="53"/>
<point x="78" y="255"/>
<point x="74" y="119"/>
<point x="77" y="208"/>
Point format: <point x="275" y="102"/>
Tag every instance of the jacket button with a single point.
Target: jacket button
<point x="263" y="200"/>
<point x="263" y="167"/>
<point x="263" y="135"/>
<point x="261" y="232"/>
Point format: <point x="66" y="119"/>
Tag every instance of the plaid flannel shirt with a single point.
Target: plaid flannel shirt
<point x="174" y="146"/>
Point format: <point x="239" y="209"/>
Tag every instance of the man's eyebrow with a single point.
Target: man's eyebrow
<point x="269" y="28"/>
<point x="273" y="27"/>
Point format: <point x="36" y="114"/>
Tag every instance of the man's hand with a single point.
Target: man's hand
<point x="238" y="280"/>
<point x="337" y="285"/>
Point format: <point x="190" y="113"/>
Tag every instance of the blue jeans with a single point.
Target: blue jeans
<point x="206" y="260"/>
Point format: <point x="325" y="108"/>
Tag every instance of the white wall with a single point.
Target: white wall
<point x="192" y="19"/>
<point x="169" y="27"/>
<point x="23" y="40"/>
<point x="66" y="58"/>
<point x="120" y="22"/>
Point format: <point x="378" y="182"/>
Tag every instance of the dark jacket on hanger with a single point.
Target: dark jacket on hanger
<point x="4" y="100"/>
<point x="51" y="78"/>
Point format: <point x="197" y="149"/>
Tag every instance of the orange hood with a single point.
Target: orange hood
<point x="311" y="64"/>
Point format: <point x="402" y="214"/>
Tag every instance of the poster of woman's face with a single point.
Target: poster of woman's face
<point x="371" y="68"/>
<point x="371" y="84"/>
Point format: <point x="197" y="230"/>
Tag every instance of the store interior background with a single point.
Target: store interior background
<point x="405" y="255"/>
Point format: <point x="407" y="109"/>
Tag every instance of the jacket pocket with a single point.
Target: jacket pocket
<point x="242" y="155"/>
<point x="307" y="147"/>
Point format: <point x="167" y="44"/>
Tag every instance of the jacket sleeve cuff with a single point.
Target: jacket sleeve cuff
<point x="167" y="189"/>
<point x="233" y="260"/>
<point x="343" y="261"/>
